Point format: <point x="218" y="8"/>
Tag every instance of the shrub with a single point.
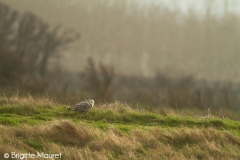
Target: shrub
<point x="11" y="67"/>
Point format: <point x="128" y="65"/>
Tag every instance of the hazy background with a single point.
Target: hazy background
<point x="141" y="37"/>
<point x="145" y="41"/>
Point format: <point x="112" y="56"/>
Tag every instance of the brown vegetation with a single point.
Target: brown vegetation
<point x="80" y="141"/>
<point x="113" y="131"/>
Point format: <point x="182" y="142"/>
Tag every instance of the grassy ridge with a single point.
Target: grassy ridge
<point x="112" y="131"/>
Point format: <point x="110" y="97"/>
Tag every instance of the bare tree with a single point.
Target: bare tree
<point x="8" y="18"/>
<point x="92" y="76"/>
<point x="28" y="40"/>
<point x="32" y="38"/>
<point x="99" y="80"/>
<point x="53" y="42"/>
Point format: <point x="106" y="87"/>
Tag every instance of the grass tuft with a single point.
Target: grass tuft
<point x="113" y="131"/>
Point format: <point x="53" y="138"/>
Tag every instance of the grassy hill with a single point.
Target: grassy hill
<point x="112" y="131"/>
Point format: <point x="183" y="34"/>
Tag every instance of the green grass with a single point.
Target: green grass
<point x="15" y="115"/>
<point x="106" y="131"/>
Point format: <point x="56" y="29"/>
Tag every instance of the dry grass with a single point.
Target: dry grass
<point x="80" y="141"/>
<point x="27" y="100"/>
<point x="115" y="131"/>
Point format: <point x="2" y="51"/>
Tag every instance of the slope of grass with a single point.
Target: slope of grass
<point x="112" y="131"/>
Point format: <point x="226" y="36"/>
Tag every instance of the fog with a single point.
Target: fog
<point x="142" y="38"/>
<point x="154" y="52"/>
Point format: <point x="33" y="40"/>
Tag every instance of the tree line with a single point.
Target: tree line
<point x="27" y="44"/>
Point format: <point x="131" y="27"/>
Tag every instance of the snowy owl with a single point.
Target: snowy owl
<point x="82" y="107"/>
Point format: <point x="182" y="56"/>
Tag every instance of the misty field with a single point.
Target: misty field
<point x="113" y="131"/>
<point x="164" y="77"/>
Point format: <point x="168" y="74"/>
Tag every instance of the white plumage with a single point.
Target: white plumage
<point x="83" y="107"/>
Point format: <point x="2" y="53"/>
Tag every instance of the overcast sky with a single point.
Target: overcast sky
<point x="217" y="6"/>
